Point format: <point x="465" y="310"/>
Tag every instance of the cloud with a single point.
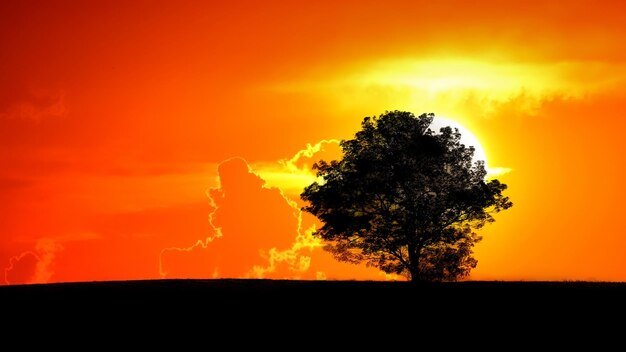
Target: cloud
<point x="494" y="172"/>
<point x="35" y="106"/>
<point x="454" y="87"/>
<point x="21" y="269"/>
<point x="33" y="266"/>
<point x="258" y="232"/>
<point x="254" y="227"/>
<point x="38" y="265"/>
<point x="293" y="174"/>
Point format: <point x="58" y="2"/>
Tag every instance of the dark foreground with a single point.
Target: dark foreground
<point x="321" y="291"/>
<point x="276" y="294"/>
<point x="323" y="306"/>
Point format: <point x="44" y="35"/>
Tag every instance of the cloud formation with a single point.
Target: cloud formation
<point x="258" y="232"/>
<point x="254" y="228"/>
<point x="475" y="87"/>
<point x="293" y="174"/>
<point x="33" y="266"/>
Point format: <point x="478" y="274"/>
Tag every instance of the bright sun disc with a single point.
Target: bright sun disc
<point x="467" y="137"/>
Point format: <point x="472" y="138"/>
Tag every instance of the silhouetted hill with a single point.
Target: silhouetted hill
<point x="320" y="289"/>
<point x="324" y="306"/>
<point x="316" y="293"/>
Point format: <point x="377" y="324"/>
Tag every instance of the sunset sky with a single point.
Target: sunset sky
<point x="166" y="139"/>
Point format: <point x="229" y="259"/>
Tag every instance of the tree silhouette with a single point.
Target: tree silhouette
<point x="405" y="199"/>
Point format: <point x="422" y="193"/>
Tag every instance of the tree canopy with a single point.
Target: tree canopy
<point x="405" y="199"/>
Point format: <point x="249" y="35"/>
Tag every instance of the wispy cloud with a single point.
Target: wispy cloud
<point x="458" y="86"/>
<point x="293" y="174"/>
<point x="36" y="106"/>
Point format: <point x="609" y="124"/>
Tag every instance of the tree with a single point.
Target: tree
<point x="405" y="199"/>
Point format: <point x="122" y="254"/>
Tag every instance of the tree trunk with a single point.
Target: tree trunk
<point x="414" y="260"/>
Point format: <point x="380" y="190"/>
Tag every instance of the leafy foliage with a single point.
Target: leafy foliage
<point x="405" y="199"/>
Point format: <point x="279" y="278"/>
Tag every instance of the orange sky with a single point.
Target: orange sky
<point x="117" y="118"/>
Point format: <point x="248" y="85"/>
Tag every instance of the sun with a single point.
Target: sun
<point x="467" y="137"/>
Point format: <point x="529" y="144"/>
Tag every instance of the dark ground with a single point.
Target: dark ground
<point x="346" y="295"/>
<point x="323" y="307"/>
<point x="321" y="291"/>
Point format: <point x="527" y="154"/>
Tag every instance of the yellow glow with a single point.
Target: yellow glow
<point x="467" y="137"/>
<point x="569" y="79"/>
<point x="455" y="87"/>
<point x="293" y="174"/>
<point x="279" y="176"/>
<point x="435" y="76"/>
